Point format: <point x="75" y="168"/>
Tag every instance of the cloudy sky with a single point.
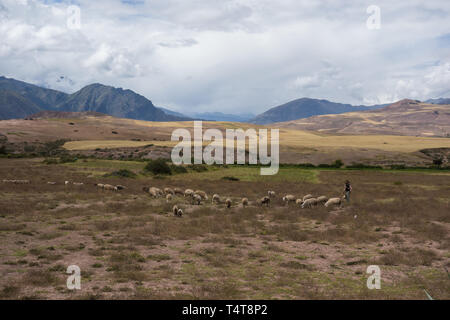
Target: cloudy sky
<point x="233" y="56"/>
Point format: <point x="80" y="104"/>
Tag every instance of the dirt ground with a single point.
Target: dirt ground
<point x="129" y="246"/>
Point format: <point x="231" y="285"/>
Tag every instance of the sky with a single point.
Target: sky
<point x="232" y="56"/>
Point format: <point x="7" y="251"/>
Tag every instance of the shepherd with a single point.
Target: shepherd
<point x="348" y="190"/>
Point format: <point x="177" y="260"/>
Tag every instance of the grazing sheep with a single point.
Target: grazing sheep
<point x="180" y="213"/>
<point x="168" y="197"/>
<point x="99" y="185"/>
<point x="299" y="202"/>
<point x="155" y="192"/>
<point x="120" y="187"/>
<point x="175" y="210"/>
<point x="308" y="196"/>
<point x="109" y="187"/>
<point x="169" y="191"/>
<point x="333" y="202"/>
<point x="196" y="199"/>
<point x="202" y="194"/>
<point x="215" y="198"/>
<point x="77" y="183"/>
<point x="244" y="202"/>
<point x="188" y="193"/>
<point x="321" y="199"/>
<point x="308" y="203"/>
<point x="178" y="191"/>
<point x="51" y="182"/>
<point x="228" y="202"/>
<point x="271" y="193"/>
<point x="264" y="200"/>
<point x="66" y="182"/>
<point x="289" y="198"/>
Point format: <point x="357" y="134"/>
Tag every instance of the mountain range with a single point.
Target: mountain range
<point x="19" y="99"/>
<point x="304" y="108"/>
<point x="405" y="117"/>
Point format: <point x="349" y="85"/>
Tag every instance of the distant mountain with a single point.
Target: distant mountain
<point x="22" y="106"/>
<point x="41" y="97"/>
<point x="219" y="116"/>
<point x="304" y="108"/>
<point x="115" y="102"/>
<point x="21" y="99"/>
<point x="405" y="117"/>
<point x="439" y="101"/>
<point x="173" y="113"/>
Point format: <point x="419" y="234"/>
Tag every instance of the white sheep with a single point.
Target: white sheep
<point x="175" y="210"/>
<point x="188" y="193"/>
<point x="244" y="202"/>
<point x="333" y="202"/>
<point x="299" y="202"/>
<point x="169" y="191"/>
<point x="202" y="194"/>
<point x="215" y="198"/>
<point x="51" y="182"/>
<point x="77" y="183"/>
<point x="168" y="197"/>
<point x="180" y="213"/>
<point x="289" y="198"/>
<point x="196" y="199"/>
<point x="99" y="185"/>
<point x="308" y="203"/>
<point x="228" y="202"/>
<point x="271" y="193"/>
<point x="66" y="182"/>
<point x="322" y="199"/>
<point x="264" y="200"/>
<point x="178" y="191"/>
<point x="109" y="187"/>
<point x="308" y="196"/>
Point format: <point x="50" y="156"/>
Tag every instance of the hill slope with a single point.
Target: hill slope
<point x="13" y="105"/>
<point x="304" y="108"/>
<point x="42" y="97"/>
<point x="405" y="117"/>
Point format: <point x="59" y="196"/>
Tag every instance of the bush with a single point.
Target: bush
<point x="158" y="166"/>
<point x="230" y="178"/>
<point x="198" y="167"/>
<point x="178" y="169"/>
<point x="338" y="163"/>
<point x="122" y="173"/>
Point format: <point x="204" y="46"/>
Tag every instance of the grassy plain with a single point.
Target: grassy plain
<point x="128" y="246"/>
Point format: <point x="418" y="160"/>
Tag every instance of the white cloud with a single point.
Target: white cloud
<point x="232" y="55"/>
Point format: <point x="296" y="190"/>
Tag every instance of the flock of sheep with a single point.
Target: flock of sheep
<point x="197" y="196"/>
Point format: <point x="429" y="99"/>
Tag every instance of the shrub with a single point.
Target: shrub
<point x="198" y="167"/>
<point x="338" y="163"/>
<point x="158" y="166"/>
<point x="230" y="178"/>
<point x="178" y="169"/>
<point x="122" y="173"/>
